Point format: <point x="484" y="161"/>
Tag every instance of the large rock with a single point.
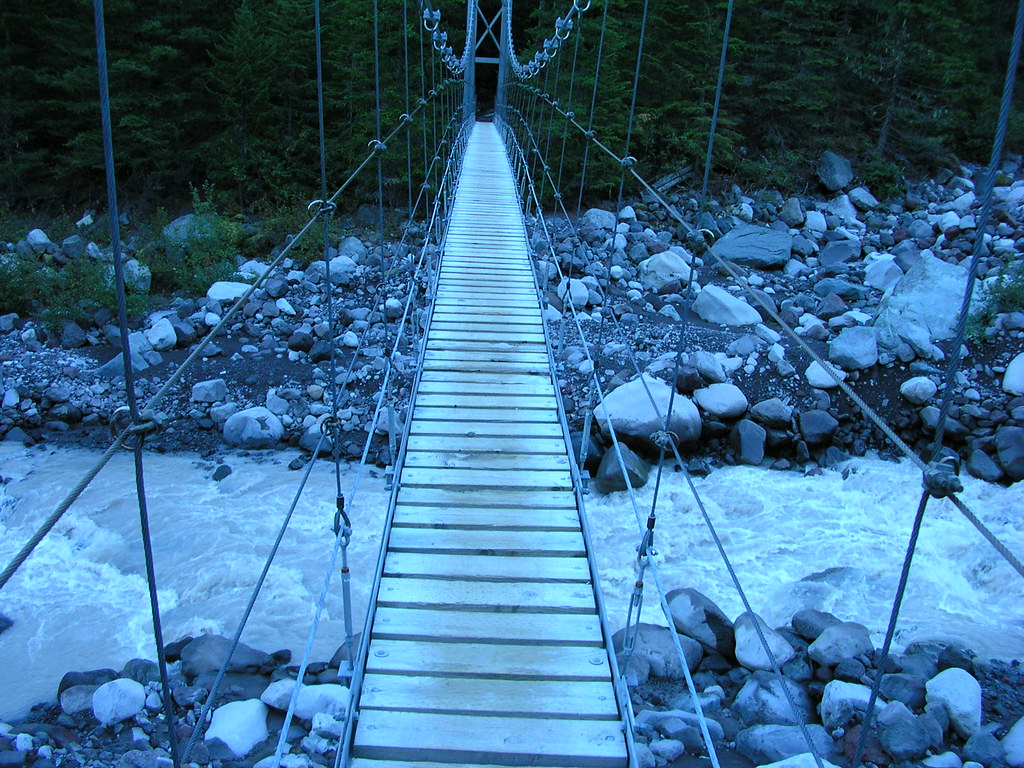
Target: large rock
<point x="840" y="641"/>
<point x="803" y="760"/>
<point x="834" y="171"/>
<point x="882" y="273"/>
<point x="575" y="292"/>
<point x="817" y="427"/>
<point x="768" y="743"/>
<point x="1013" y="745"/>
<point x="663" y="268"/>
<point x="717" y="305"/>
<point x="137" y="276"/>
<point x="38" y="240"/>
<point x="629" y="410"/>
<point x="918" y="390"/>
<point x="748" y="440"/>
<point x="956" y="691"/>
<point x="839" y="252"/>
<point x="115" y="366"/>
<point x="854" y="348"/>
<point x="226" y="291"/>
<point x="343" y="270"/>
<point x="329" y="698"/>
<point x="762" y="701"/>
<point x="753" y="246"/>
<point x="655" y="645"/>
<point x="773" y="413"/>
<point x="901" y="733"/>
<point x="721" y="401"/>
<point x="206" y="653"/>
<point x="253" y="428"/>
<point x="240" y="724"/>
<point x="209" y="391"/>
<point x="923" y="306"/>
<point x="1013" y="379"/>
<point x="118" y="700"/>
<point x="792" y="213"/>
<point x="609" y="476"/>
<point x="820" y="378"/>
<point x="841" y="701"/>
<point x="1010" y="451"/>
<point x="696" y="615"/>
<point x="597" y="224"/>
<point x="354" y="248"/>
<point x="809" y="623"/>
<point x="162" y="335"/>
<point x="749" y="650"/>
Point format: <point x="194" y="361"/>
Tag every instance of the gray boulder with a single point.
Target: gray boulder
<point x="901" y="733"/>
<point x="809" y="623"/>
<point x="841" y="701"/>
<point x="840" y="641"/>
<point x="834" y="171"/>
<point x="762" y="701"/>
<point x="353" y="248"/>
<point x="863" y="199"/>
<point x="817" y="427"/>
<point x="957" y="692"/>
<point x="984" y="748"/>
<point x="839" y="252"/>
<point x="655" y="645"/>
<point x="629" y="410"/>
<point x="748" y="440"/>
<point x="597" y="224"/>
<point x="770" y="743"/>
<point x="696" y="615"/>
<point x="854" y="348"/>
<point x="207" y="653"/>
<point x="749" y="650"/>
<point x="717" y="305"/>
<point x="792" y="213"/>
<point x="1010" y="451"/>
<point x="772" y="413"/>
<point x="253" y="428"/>
<point x="708" y="366"/>
<point x="115" y="367"/>
<point x="609" y="474"/>
<point x="900" y="686"/>
<point x="210" y="391"/>
<point x="752" y="246"/>
<point x="721" y="401"/>
<point x="923" y="306"/>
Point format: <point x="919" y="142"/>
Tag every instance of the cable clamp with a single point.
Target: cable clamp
<point x="149" y="423"/>
<point x="406" y="118"/>
<point x="421" y="102"/>
<point x="558" y="196"/>
<point x="378" y="146"/>
<point x="431" y="17"/>
<point x="590" y="135"/>
<point x="330" y="424"/>
<point x="941" y="475"/>
<point x="580" y="8"/>
<point x="341" y="516"/>
<point x="570" y="115"/>
<point x="665" y="439"/>
<point x="322" y="207"/>
<point x="628" y="162"/>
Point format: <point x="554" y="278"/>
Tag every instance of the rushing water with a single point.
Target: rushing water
<point x="81" y="601"/>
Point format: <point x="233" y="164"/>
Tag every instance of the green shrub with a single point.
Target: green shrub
<point x="883" y="177"/>
<point x="1004" y="293"/>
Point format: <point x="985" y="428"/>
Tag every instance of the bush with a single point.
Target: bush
<point x="882" y="177"/>
<point x="1003" y="293"/>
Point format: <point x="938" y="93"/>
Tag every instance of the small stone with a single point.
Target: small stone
<point x="211" y="391"/>
<point x="819" y="378"/>
<point x="918" y="390"/>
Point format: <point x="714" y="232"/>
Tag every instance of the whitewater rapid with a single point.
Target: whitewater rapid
<point x="833" y="541"/>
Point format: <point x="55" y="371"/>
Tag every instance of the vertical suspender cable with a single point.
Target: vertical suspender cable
<point x="129" y="376"/>
<point x="593" y="106"/>
<point x="408" y="131"/>
<point x="718" y="98"/>
<point x="632" y="105"/>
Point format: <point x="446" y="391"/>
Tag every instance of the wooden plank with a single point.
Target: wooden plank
<point x="489" y="567"/>
<point x="488" y="445"/>
<point x="459" y="412"/>
<point x="452" y="541"/>
<point x="456" y="399"/>
<point x="460" y="321"/>
<point x="488" y="660"/>
<point x="473" y="478"/>
<point x="503" y="499"/>
<point x="501" y="698"/>
<point x="465" y="460"/>
<point x="473" y="739"/>
<point x="482" y="366"/>
<point x="500" y="596"/>
<point x="483" y="345"/>
<point x="365" y="763"/>
<point x="540" y="390"/>
<point x="484" y="429"/>
<point x="471" y="627"/>
<point x="438" y="334"/>
<point x="481" y="518"/>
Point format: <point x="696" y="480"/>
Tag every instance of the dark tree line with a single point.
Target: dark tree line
<point x="225" y="92"/>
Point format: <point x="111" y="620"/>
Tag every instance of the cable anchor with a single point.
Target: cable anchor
<point x="149" y="423"/>
<point x="341" y="516"/>
<point x="628" y="162"/>
<point x="941" y="476"/>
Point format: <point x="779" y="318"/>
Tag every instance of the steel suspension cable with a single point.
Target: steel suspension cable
<point x="129" y="379"/>
<point x="632" y="104"/>
<point x="589" y="133"/>
<point x="714" y="111"/>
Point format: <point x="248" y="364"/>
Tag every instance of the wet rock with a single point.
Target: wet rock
<point x="748" y="441"/>
<point x="629" y="410"/>
<point x="1010" y="451"/>
<point x="768" y="743"/>
<point x="749" y="650"/>
<point x="253" y="428"/>
<point x="656" y="647"/>
<point x="841" y="701"/>
<point x="840" y="641"/>
<point x="721" y="401"/>
<point x="609" y="476"/>
<point x="817" y="427"/>
<point x="984" y="748"/>
<point x="901" y="733"/>
<point x="899" y="686"/>
<point x="810" y="623"/>
<point x="959" y="694"/>
<point x="118" y="700"/>
<point x="206" y="653"/>
<point x="763" y="701"/>
<point x="696" y="615"/>
<point x="241" y="725"/>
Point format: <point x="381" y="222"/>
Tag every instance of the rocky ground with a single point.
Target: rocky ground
<point x="938" y="707"/>
<point x="873" y="288"/>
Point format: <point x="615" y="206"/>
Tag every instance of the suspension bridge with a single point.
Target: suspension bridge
<point x="487" y="641"/>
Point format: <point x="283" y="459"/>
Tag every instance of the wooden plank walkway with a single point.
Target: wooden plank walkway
<point x="486" y="645"/>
